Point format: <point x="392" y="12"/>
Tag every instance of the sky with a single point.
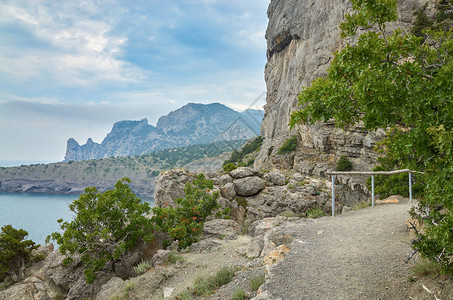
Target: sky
<point x="70" y="69"/>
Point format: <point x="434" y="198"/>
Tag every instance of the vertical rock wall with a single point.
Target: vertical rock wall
<point x="302" y="36"/>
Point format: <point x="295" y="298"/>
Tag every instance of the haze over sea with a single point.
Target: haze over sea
<point x="37" y="213"/>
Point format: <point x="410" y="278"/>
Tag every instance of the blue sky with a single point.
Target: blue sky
<point x="73" y="68"/>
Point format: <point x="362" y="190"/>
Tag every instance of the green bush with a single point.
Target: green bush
<point x="288" y="146"/>
<point x="184" y="222"/>
<point x="205" y="285"/>
<point x="240" y="294"/>
<point x="15" y="252"/>
<point x="315" y="213"/>
<point x="250" y="147"/>
<point x="229" y="167"/>
<point x="343" y="164"/>
<point x="142" y="267"/>
<point x="256" y="282"/>
<point x="106" y="225"/>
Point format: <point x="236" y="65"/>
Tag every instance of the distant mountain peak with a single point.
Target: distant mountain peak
<point x="193" y="123"/>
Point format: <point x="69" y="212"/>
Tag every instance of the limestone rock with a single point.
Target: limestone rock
<point x="160" y="257"/>
<point x="115" y="286"/>
<point x="249" y="186"/>
<point x="277" y="177"/>
<point x="224" y="179"/>
<point x="242" y="172"/>
<point x="221" y="228"/>
<point x="228" y="191"/>
<point x="301" y="39"/>
<point x="169" y="186"/>
<point x="390" y="200"/>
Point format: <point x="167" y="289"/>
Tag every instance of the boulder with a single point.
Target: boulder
<point x="160" y="257"/>
<point x="277" y="177"/>
<point x="224" y="179"/>
<point x="249" y="186"/>
<point x="243" y="172"/>
<point x="228" y="191"/>
<point x="115" y="286"/>
<point x="222" y="229"/>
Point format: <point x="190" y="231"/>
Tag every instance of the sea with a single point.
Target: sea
<point x="37" y="213"/>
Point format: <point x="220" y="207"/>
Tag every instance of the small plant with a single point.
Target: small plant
<point x="256" y="282"/>
<point x="343" y="164"/>
<point x="241" y="202"/>
<point x="361" y="205"/>
<point x="205" y="285"/>
<point x="239" y="294"/>
<point x="186" y="295"/>
<point x="174" y="257"/>
<point x="291" y="186"/>
<point x="426" y="267"/>
<point x="142" y="267"/>
<point x="288" y="146"/>
<point x="229" y="167"/>
<point x="315" y="213"/>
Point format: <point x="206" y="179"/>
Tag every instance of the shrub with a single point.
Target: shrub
<point x="174" y="257"/>
<point x="184" y="222"/>
<point x="288" y="146"/>
<point x="249" y="147"/>
<point x="142" y="267"/>
<point x="256" y="282"/>
<point x="229" y="167"/>
<point x="15" y="252"/>
<point x="205" y="285"/>
<point x="343" y="164"/>
<point x="315" y="213"/>
<point x="106" y="225"/>
<point x="239" y="294"/>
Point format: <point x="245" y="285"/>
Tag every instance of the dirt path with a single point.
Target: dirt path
<point x="359" y="255"/>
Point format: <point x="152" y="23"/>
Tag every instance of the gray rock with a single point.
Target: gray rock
<point x="277" y="177"/>
<point x="224" y="203"/>
<point x="301" y="39"/>
<point x="249" y="186"/>
<point x="255" y="247"/>
<point x="224" y="179"/>
<point x="205" y="245"/>
<point x="243" y="172"/>
<point x="160" y="257"/>
<point x="221" y="228"/>
<point x="228" y="191"/>
<point x="298" y="177"/>
<point x="115" y="286"/>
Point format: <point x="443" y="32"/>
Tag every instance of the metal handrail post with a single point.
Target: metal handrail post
<point x="410" y="187"/>
<point x="372" y="190"/>
<point x="333" y="195"/>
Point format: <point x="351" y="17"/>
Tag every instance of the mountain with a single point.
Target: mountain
<point x="189" y="125"/>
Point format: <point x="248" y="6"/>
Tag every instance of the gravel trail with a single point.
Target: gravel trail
<point x="358" y="255"/>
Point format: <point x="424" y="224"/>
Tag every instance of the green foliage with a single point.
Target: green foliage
<point x="256" y="282"/>
<point x="288" y="146"/>
<point x="142" y="267"/>
<point x="205" y="285"/>
<point x="343" y="164"/>
<point x="250" y="147"/>
<point x="240" y="294"/>
<point x="184" y="222"/>
<point x="174" y="257"/>
<point x="269" y="151"/>
<point x="229" y="167"/>
<point x="15" y="252"/>
<point x="397" y="81"/>
<point x="106" y="225"/>
<point x="426" y="267"/>
<point x="315" y="213"/>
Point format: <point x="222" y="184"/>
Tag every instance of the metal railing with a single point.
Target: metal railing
<point x="332" y="174"/>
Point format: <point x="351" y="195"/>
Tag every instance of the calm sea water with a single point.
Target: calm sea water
<point x="37" y="213"/>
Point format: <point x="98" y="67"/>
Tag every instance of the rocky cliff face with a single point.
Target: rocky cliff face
<point x="301" y="39"/>
<point x="189" y="125"/>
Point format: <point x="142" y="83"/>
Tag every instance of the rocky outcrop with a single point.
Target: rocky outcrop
<point x="191" y="124"/>
<point x="255" y="195"/>
<point x="301" y="39"/>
